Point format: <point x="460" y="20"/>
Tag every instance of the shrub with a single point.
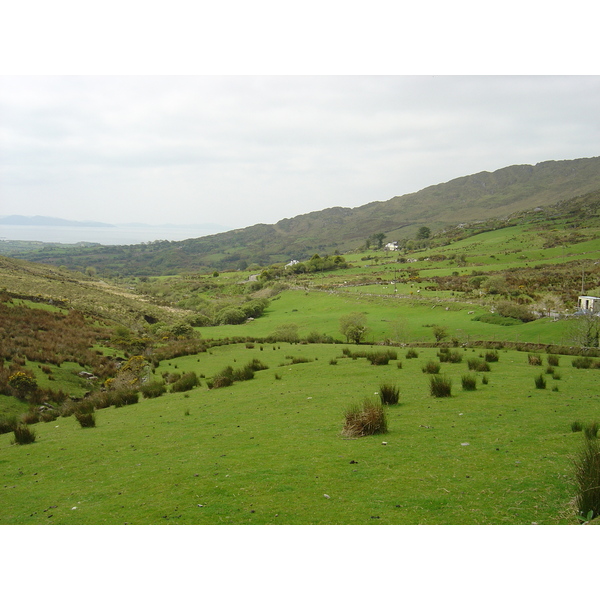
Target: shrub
<point x="591" y="431"/>
<point x="153" y="389"/>
<point x="86" y="419"/>
<point x="412" y="353"/>
<point x="576" y="426"/>
<point x="389" y="394"/>
<point x="534" y="359"/>
<point x="553" y="360"/>
<point x="587" y="478"/>
<point x="24" y="435"/>
<point x="491" y="356"/>
<point x="540" y="382"/>
<point x="367" y="419"/>
<point x="440" y="386"/>
<point x="431" y="367"/>
<point x="8" y="424"/>
<point x="186" y="382"/>
<point x="469" y="382"/>
<point x="582" y="362"/>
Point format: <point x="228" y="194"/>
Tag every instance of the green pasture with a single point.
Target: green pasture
<point x="269" y="450"/>
<point x="401" y="319"/>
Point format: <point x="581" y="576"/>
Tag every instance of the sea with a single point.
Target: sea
<point x="109" y="236"/>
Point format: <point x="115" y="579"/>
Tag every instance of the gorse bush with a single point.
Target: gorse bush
<point x="24" y="435"/>
<point x="469" y="382"/>
<point x="431" y="367"/>
<point x="440" y="386"/>
<point x="389" y="394"/>
<point x="367" y="419"/>
<point x="587" y="478"/>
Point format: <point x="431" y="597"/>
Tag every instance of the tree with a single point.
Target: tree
<point x="354" y="327"/>
<point x="585" y="331"/>
<point x="439" y="332"/>
<point x="423" y="233"/>
<point x="378" y="238"/>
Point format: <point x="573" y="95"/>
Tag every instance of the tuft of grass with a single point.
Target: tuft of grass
<point x="369" y="418"/>
<point x="431" y="367"/>
<point x="553" y="360"/>
<point x="412" y="353"/>
<point x="591" y="431"/>
<point x="576" y="426"/>
<point x="540" y="382"/>
<point x="582" y="362"/>
<point x="587" y="478"/>
<point x="186" y="382"/>
<point x="477" y="364"/>
<point x="440" y="386"/>
<point x="389" y="393"/>
<point x="492" y="356"/>
<point x="87" y="419"/>
<point x="24" y="435"/>
<point x="8" y="424"/>
<point x="534" y="360"/>
<point x="153" y="389"/>
<point x="485" y="380"/>
<point x="399" y="364"/>
<point x="469" y="382"/>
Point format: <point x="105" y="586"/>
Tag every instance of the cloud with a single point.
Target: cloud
<point x="242" y="150"/>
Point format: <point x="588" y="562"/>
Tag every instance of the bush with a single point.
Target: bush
<point x="367" y="419"/>
<point x="553" y="360"/>
<point x="8" y="424"/>
<point x="186" y="382"/>
<point x="440" y="386"/>
<point x="431" y="367"/>
<point x="86" y="419"/>
<point x="535" y="360"/>
<point x="412" y="353"/>
<point x="153" y="389"/>
<point x="469" y="382"/>
<point x="587" y="478"/>
<point x="591" y="431"/>
<point x="540" y="382"/>
<point x="24" y="435"/>
<point x="389" y="394"/>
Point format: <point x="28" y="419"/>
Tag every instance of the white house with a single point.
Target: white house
<point x="589" y="304"/>
<point x="393" y="246"/>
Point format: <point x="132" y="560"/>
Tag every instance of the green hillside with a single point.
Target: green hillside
<point x="480" y="197"/>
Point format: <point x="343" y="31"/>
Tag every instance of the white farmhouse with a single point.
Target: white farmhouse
<point x="589" y="304"/>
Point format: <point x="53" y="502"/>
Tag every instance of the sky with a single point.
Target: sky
<point x="240" y="150"/>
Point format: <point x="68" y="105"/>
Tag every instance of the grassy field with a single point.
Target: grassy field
<point x="269" y="450"/>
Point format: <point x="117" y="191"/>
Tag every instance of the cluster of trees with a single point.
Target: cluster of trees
<point x="316" y="264"/>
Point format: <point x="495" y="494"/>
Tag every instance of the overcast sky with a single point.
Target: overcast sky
<point x="253" y="149"/>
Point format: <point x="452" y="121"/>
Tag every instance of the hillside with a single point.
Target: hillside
<point x="477" y="197"/>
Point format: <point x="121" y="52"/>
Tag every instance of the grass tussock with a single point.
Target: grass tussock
<point x="153" y="389"/>
<point x="553" y="360"/>
<point x="534" y="360"/>
<point x="469" y="382"/>
<point x="431" y="367"/>
<point x="86" y="419"/>
<point x="591" y="430"/>
<point x="582" y="362"/>
<point x="587" y="479"/>
<point x="187" y="382"/>
<point x="389" y="394"/>
<point x="24" y="435"/>
<point x="368" y="418"/>
<point x="478" y="364"/>
<point x="540" y="382"/>
<point x="412" y="353"/>
<point x="440" y="386"/>
<point x="450" y="356"/>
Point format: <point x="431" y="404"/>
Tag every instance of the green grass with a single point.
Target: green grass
<point x="266" y="451"/>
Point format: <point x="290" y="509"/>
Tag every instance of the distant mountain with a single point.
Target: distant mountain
<point x="49" y="222"/>
<point x="481" y="196"/>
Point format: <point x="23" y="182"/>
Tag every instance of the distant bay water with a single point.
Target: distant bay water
<point x="117" y="235"/>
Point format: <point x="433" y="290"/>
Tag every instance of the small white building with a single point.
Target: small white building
<point x="392" y="246"/>
<point x="589" y="304"/>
